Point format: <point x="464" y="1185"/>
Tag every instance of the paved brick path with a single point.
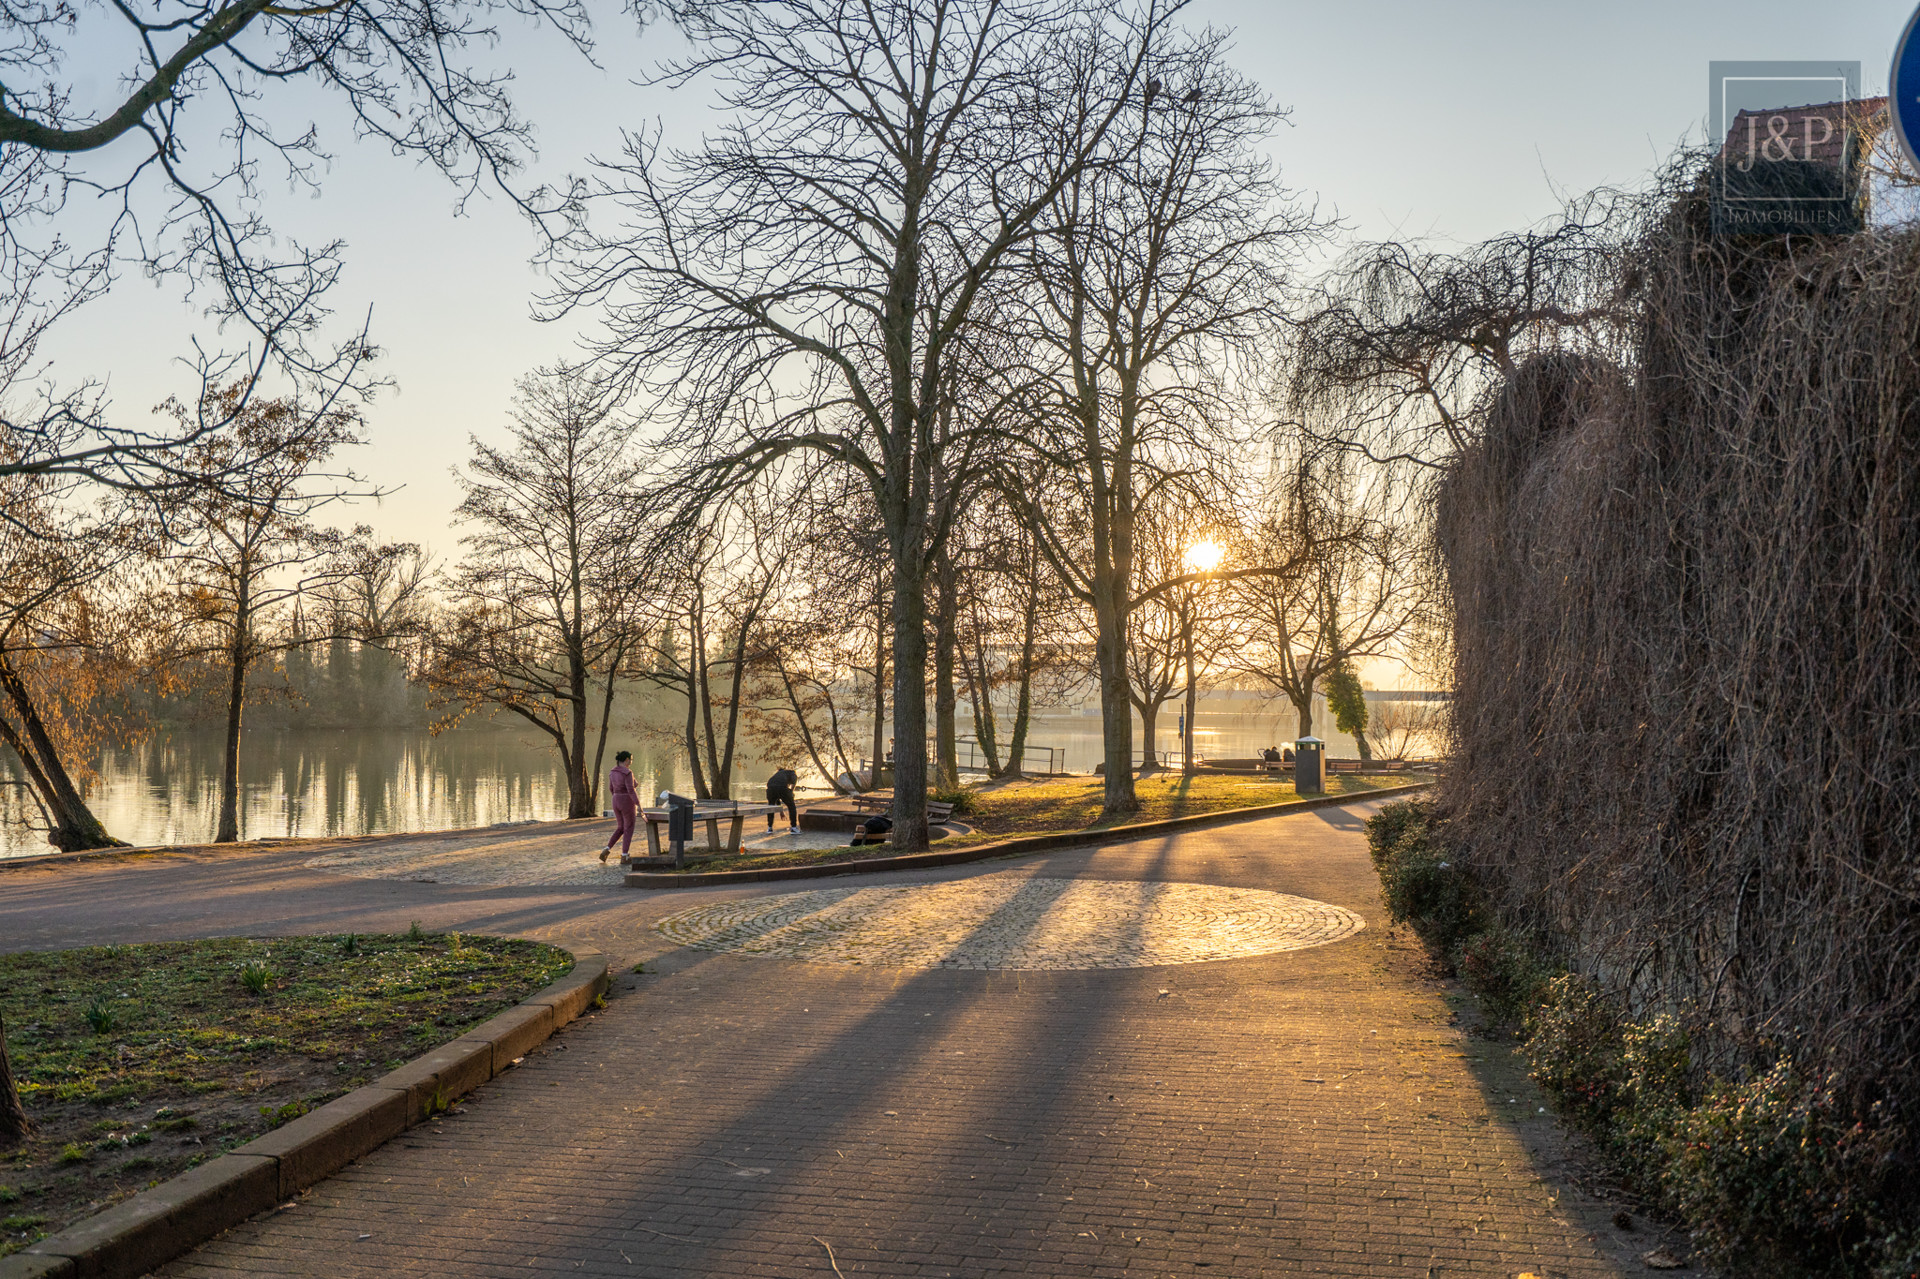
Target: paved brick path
<point x="1013" y="920"/>
<point x="1304" y="1112"/>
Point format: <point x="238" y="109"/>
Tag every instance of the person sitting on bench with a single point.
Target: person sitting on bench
<point x="872" y="831"/>
<point x="1271" y="755"/>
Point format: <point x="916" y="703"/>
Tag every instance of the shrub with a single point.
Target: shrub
<point x="1500" y="967"/>
<point x="9" y="1195"/>
<point x="1574" y="1051"/>
<point x="1899" y="1256"/>
<point x="961" y="797"/>
<point x="1775" y="1175"/>
<point x="1385" y="827"/>
<point x="1422" y="885"/>
<point x="415" y="933"/>
<point x="1654" y="1095"/>
<point x="350" y="944"/>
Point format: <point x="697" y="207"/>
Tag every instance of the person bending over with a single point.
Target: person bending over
<point x="872" y="831"/>
<point x="780" y="791"/>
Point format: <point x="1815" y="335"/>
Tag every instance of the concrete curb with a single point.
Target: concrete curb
<point x="157" y="1225"/>
<point x="1005" y="847"/>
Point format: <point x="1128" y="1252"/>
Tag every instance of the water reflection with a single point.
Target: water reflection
<point x="345" y="782"/>
<point x="373" y="781"/>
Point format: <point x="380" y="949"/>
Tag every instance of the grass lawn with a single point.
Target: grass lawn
<point x="1066" y="804"/>
<point x="1073" y="803"/>
<point x="137" y="1062"/>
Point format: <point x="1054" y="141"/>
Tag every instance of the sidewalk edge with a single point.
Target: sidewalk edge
<point x="1007" y="847"/>
<point x="157" y="1225"/>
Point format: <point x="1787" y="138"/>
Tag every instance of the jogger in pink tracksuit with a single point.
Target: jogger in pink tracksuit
<point x="626" y="806"/>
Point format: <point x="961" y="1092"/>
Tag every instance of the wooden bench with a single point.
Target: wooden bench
<point x="936" y="811"/>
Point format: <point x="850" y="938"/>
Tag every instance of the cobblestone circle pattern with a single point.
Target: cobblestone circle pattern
<point x="1013" y="922"/>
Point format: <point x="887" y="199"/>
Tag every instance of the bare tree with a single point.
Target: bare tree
<point x="244" y="548"/>
<point x="1401" y="345"/>
<point x="1396" y="726"/>
<point x="62" y="644"/>
<point x="806" y="279"/>
<point x="1352" y="586"/>
<point x="717" y="628"/>
<point x="1171" y="640"/>
<point x="542" y="605"/>
<point x="203" y="116"/>
<point x="804" y="701"/>
<point x="1161" y="268"/>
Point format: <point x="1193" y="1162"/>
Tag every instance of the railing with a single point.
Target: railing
<point x="972" y="759"/>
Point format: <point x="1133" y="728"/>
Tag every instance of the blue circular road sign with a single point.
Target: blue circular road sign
<point x="1905" y="89"/>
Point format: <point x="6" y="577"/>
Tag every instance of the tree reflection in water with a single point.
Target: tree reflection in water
<point x="326" y="782"/>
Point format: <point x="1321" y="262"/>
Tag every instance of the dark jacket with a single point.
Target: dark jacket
<point x="782" y="780"/>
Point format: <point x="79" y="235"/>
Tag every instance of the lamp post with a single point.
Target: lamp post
<point x="1203" y="558"/>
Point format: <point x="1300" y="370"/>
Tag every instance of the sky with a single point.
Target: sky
<point x="1449" y="121"/>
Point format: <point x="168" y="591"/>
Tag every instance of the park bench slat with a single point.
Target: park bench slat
<point x="936" y="811"/>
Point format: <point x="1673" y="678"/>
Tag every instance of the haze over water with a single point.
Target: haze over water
<point x="334" y="782"/>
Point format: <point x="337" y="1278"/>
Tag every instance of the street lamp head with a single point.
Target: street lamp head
<point x="1204" y="557"/>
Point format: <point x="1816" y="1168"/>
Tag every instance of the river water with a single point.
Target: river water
<point x="357" y="782"/>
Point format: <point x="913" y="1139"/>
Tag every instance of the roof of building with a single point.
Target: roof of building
<point x="1795" y="132"/>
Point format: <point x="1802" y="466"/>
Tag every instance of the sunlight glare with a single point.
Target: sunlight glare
<point x="1204" y="557"/>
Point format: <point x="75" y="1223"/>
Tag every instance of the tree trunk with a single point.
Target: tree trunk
<point x="946" y="642"/>
<point x="800" y="720"/>
<point x="986" y="729"/>
<point x="1023" y="701"/>
<point x="910" y="697"/>
<point x="14" y="1124"/>
<point x="879" y="699"/>
<point x="1149" y="730"/>
<point x="1116" y="708"/>
<point x="695" y="658"/>
<point x="237" y="661"/>
<point x="1304" y="708"/>
<point x="723" y="774"/>
<point x="74" y="825"/>
<point x="580" y="792"/>
<point x="1193" y="695"/>
<point x="693" y="738"/>
<point x="606" y="719"/>
<point x="37" y="783"/>
<point x="703" y="671"/>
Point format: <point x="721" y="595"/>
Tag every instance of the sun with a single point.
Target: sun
<point x="1204" y="557"/>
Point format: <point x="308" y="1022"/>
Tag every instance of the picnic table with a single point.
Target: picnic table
<point x="712" y="812"/>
